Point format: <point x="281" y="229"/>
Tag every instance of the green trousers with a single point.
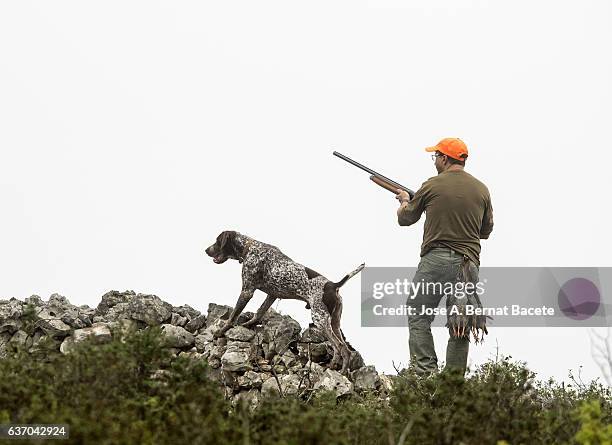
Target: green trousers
<point x="439" y="265"/>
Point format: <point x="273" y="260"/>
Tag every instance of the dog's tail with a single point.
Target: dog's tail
<point x="348" y="276"/>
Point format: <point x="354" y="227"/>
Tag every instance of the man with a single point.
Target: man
<point x="459" y="214"/>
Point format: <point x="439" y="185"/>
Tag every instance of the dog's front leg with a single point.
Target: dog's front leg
<point x="245" y="296"/>
<point x="260" y="312"/>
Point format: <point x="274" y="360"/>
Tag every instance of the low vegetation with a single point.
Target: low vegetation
<point x="115" y="393"/>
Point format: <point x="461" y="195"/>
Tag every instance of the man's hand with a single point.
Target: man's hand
<point x="402" y="196"/>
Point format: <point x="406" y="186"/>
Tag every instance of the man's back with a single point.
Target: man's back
<point x="459" y="213"/>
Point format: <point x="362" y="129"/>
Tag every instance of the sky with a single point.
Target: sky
<point x="132" y="133"/>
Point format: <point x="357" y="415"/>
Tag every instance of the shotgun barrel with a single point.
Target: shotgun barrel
<point x="379" y="179"/>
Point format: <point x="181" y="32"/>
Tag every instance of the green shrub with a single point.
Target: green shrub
<point x="320" y="420"/>
<point x="106" y="393"/>
<point x="593" y="430"/>
<point x="114" y="393"/>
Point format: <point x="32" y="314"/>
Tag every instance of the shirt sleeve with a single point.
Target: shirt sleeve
<point x="487" y="221"/>
<point x="411" y="213"/>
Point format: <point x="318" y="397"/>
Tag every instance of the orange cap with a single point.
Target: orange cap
<point x="453" y="147"/>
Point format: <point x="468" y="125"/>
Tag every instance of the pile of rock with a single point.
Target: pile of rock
<point x="277" y="356"/>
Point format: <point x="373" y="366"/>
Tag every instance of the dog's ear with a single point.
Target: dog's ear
<point x="225" y="238"/>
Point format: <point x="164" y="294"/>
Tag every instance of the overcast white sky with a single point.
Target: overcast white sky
<point x="132" y="133"/>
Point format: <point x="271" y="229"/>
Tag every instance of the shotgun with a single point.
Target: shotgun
<point x="377" y="178"/>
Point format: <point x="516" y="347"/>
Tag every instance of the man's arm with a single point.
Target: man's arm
<point x="410" y="210"/>
<point x="487" y="221"/>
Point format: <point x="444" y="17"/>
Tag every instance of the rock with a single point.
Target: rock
<point x="76" y="320"/>
<point x="202" y="341"/>
<point x="207" y="349"/>
<point x="229" y="380"/>
<point x="5" y="337"/>
<point x="196" y="323"/>
<point x="312" y="335"/>
<point x="220" y="341"/>
<point x="207" y="334"/>
<point x="217" y="312"/>
<point x="123" y="325"/>
<point x="57" y="300"/>
<point x="212" y="328"/>
<point x="313" y="345"/>
<point x="71" y="315"/>
<point x="113" y="298"/>
<point x="19" y="340"/>
<point x="176" y="336"/>
<point x="248" y="398"/>
<point x="186" y="311"/>
<point x="194" y="355"/>
<point x="263" y="365"/>
<point x="386" y="383"/>
<point x="43" y="345"/>
<point x="249" y="380"/>
<point x="238" y="356"/>
<point x="10" y="312"/>
<point x="150" y="309"/>
<point x="240" y="333"/>
<point x="34" y="300"/>
<point x="288" y="359"/>
<point x="100" y="332"/>
<point x="289" y="383"/>
<point x="236" y="359"/>
<point x="279" y="369"/>
<point x="258" y="338"/>
<point x="356" y="361"/>
<point x="66" y="345"/>
<point x="217" y="351"/>
<point x="334" y="381"/>
<point x="314" y="368"/>
<point x="317" y="352"/>
<point x="87" y="311"/>
<point x="244" y="317"/>
<point x="117" y="312"/>
<point x="49" y="320"/>
<point x="177" y="319"/>
<point x="38" y="334"/>
<point x="279" y="332"/>
<point x="366" y="379"/>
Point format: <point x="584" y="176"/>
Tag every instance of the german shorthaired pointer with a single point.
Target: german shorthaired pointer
<point x="266" y="268"/>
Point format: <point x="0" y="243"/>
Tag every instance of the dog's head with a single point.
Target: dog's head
<point x="224" y="247"/>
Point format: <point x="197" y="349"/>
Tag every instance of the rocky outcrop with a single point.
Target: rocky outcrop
<point x="275" y="357"/>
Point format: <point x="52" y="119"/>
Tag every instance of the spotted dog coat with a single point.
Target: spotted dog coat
<point x="266" y="268"/>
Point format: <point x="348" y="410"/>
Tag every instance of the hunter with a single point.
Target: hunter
<point x="459" y="215"/>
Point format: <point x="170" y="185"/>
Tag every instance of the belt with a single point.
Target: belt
<point x="446" y="249"/>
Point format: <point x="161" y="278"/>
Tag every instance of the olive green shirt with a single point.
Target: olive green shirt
<point x="459" y="213"/>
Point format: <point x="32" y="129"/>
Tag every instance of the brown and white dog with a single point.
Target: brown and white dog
<point x="266" y="268"/>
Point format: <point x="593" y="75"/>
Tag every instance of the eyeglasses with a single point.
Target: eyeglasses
<point x="436" y="155"/>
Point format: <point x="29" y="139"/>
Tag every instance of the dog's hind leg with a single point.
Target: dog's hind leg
<point x="328" y="331"/>
<point x="270" y="299"/>
<point x="343" y="347"/>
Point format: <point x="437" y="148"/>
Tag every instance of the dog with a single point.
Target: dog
<point x="266" y="268"/>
